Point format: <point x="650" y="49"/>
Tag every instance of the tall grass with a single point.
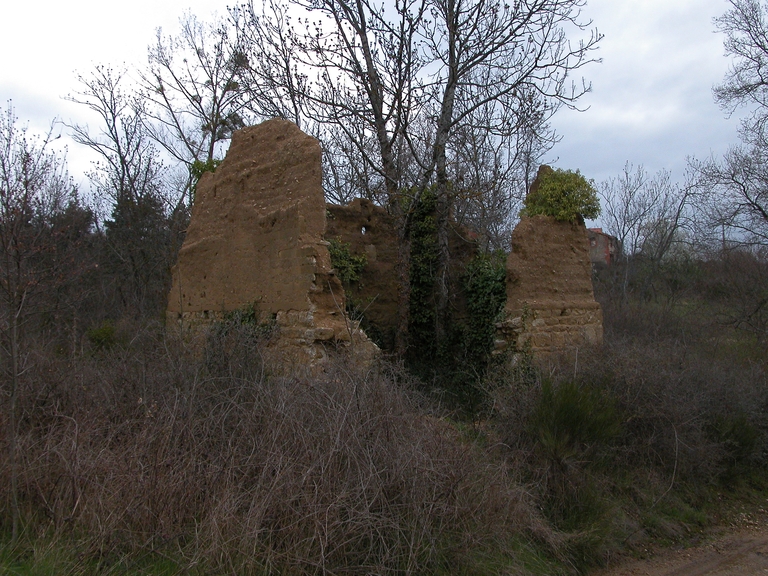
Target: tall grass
<point x="142" y="454"/>
<point x="147" y="449"/>
<point x="633" y="440"/>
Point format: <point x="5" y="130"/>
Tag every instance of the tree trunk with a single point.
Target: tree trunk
<point x="442" y="275"/>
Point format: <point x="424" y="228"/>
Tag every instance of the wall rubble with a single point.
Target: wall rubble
<point x="257" y="239"/>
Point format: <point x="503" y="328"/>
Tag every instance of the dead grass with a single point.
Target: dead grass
<point x="143" y="449"/>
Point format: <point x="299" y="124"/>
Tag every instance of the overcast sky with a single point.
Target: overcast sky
<point x="651" y="102"/>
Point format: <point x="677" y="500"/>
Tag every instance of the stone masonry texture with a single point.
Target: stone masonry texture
<point x="550" y="302"/>
<point x="256" y="240"/>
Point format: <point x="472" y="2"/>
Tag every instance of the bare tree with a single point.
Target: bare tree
<point x="274" y="79"/>
<point x="642" y="210"/>
<point x="647" y="214"/>
<point x="192" y="91"/>
<point x="735" y="198"/>
<point x="745" y="26"/>
<point x="129" y="168"/>
<point x="34" y="187"/>
<point x="408" y="77"/>
<point x="495" y="55"/>
<point x="132" y="178"/>
<point x="491" y="170"/>
<point x="737" y="186"/>
<point x="367" y="65"/>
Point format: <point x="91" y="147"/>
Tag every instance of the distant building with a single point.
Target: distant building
<point x="603" y="248"/>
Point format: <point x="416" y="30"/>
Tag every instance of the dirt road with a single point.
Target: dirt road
<point x="740" y="550"/>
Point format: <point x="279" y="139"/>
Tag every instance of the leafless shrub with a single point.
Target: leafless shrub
<point x="671" y="404"/>
<point x="688" y="404"/>
<point x="140" y="449"/>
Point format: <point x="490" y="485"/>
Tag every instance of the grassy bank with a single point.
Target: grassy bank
<point x="140" y="456"/>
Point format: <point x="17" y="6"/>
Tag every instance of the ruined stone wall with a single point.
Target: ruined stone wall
<point x="550" y="302"/>
<point x="370" y="230"/>
<point x="256" y="239"/>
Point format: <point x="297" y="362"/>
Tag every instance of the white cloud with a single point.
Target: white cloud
<point x="652" y="101"/>
<point x="46" y="43"/>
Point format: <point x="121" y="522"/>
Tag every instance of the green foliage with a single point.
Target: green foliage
<point x="424" y="255"/>
<point x="739" y="437"/>
<point x="103" y="336"/>
<point x="571" y="418"/>
<point x="247" y="316"/>
<point x="139" y="255"/>
<point x="198" y="168"/>
<point x="347" y="266"/>
<point x="460" y="360"/>
<point x="572" y="425"/>
<point x="51" y="554"/>
<point x="563" y="194"/>
<point x="486" y="293"/>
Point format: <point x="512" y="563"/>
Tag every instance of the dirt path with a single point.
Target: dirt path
<point x="740" y="550"/>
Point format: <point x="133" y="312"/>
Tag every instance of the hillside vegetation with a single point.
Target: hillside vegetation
<point x="139" y="455"/>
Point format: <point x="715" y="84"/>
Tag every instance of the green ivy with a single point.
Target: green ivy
<point x="456" y="363"/>
<point x="422" y="306"/>
<point x="486" y="293"/>
<point x="198" y="168"/>
<point x="347" y="266"/>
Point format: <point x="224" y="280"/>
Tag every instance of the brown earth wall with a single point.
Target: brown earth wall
<point x="370" y="230"/>
<point x="256" y="239"/>
<point x="550" y="301"/>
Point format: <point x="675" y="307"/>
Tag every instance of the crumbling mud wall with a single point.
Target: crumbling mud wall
<point x="550" y="301"/>
<point x="370" y="230"/>
<point x="256" y="238"/>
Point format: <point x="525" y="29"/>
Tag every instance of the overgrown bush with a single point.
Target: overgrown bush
<point x="573" y="419"/>
<point x="486" y="292"/>
<point x="144" y="453"/>
<point x="562" y="194"/>
<point x="634" y="440"/>
<point x="103" y="336"/>
<point x="232" y="344"/>
<point x="347" y="266"/>
<point x="423" y="304"/>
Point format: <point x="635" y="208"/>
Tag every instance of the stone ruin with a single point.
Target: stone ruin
<point x="257" y="239"/>
<point x="551" y="305"/>
<point x="369" y="229"/>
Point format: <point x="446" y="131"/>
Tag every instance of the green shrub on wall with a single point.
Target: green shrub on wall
<point x="198" y="168"/>
<point x="347" y="266"/>
<point x="564" y="194"/>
